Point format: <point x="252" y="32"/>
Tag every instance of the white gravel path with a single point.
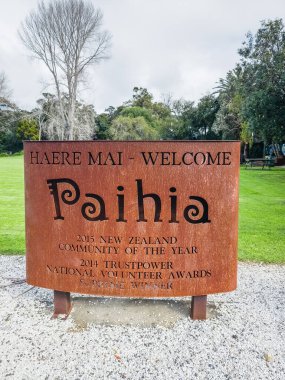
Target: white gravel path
<point x="245" y="340"/>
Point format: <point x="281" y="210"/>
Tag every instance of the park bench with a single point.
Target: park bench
<point x="250" y="162"/>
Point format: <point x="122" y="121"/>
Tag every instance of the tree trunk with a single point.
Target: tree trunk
<point x="245" y="150"/>
<point x="61" y="107"/>
<point x="71" y="112"/>
<point x="264" y="147"/>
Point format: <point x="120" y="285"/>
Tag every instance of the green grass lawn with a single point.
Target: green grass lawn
<point x="12" y="224"/>
<point x="261" y="216"/>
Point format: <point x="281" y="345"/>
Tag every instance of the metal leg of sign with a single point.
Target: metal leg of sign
<point x="62" y="303"/>
<point x="199" y="307"/>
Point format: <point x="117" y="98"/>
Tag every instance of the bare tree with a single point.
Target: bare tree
<point x="66" y="35"/>
<point x="4" y="90"/>
<point x="49" y="120"/>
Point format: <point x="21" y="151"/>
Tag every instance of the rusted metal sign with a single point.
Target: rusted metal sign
<point x="135" y="219"/>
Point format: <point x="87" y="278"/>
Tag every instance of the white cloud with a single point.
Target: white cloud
<point x="181" y="47"/>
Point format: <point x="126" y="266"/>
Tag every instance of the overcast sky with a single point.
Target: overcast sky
<point x="180" y="47"/>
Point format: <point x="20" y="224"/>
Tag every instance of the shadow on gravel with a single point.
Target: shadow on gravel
<point x="88" y="311"/>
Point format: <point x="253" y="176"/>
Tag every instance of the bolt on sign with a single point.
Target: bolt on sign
<point x="133" y="219"/>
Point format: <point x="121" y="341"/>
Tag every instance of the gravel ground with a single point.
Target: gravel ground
<point x="245" y="338"/>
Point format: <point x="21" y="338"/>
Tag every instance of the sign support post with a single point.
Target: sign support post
<point x="62" y="303"/>
<point x="199" y="308"/>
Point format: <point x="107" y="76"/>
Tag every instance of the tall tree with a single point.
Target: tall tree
<point x="4" y="89"/>
<point x="228" y="122"/>
<point x="27" y="129"/>
<point x="10" y="140"/>
<point x="179" y="126"/>
<point x="49" y="118"/>
<point x="141" y="98"/>
<point x="204" y="117"/>
<point x="66" y="35"/>
<point x="132" y="128"/>
<point x="263" y="57"/>
<point x="10" y="115"/>
<point x="139" y="117"/>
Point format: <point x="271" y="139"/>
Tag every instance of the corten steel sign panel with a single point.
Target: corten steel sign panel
<point x="135" y="219"/>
